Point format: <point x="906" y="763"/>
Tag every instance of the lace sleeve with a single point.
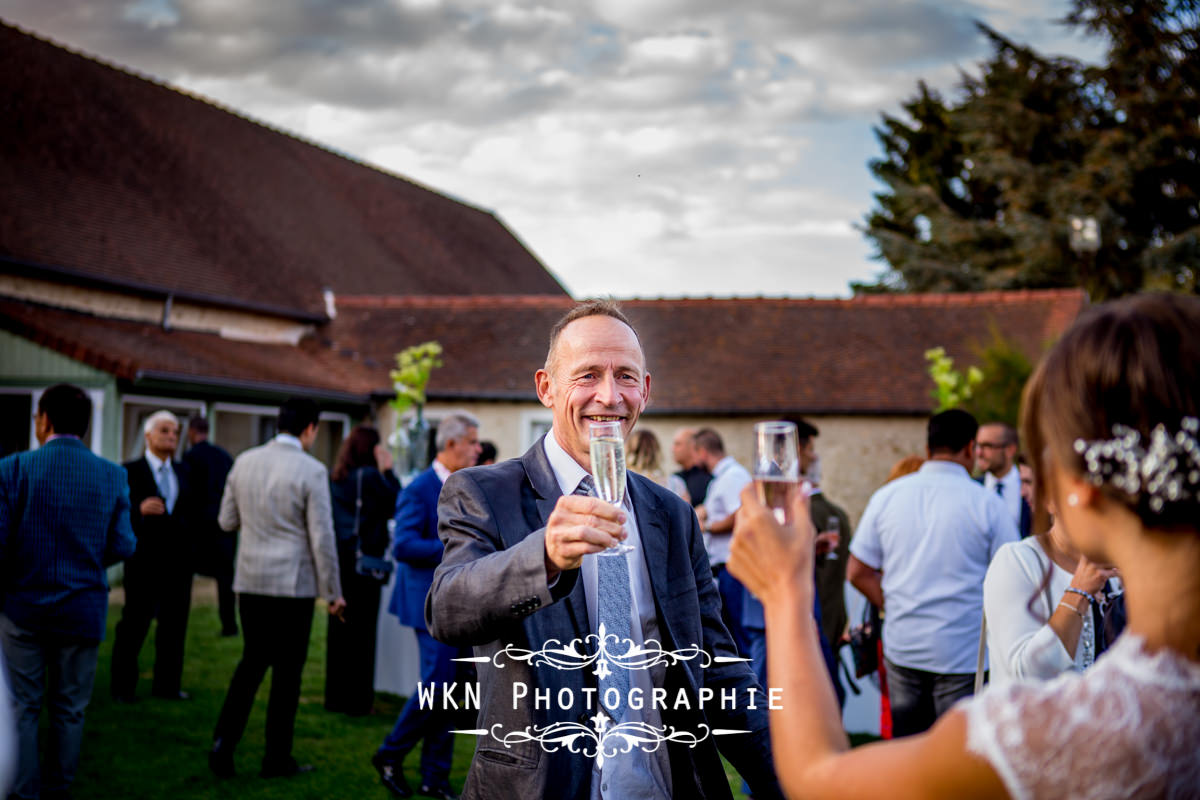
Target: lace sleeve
<point x="1128" y="728"/>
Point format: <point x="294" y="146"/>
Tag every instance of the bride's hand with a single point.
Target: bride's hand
<point x="769" y="558"/>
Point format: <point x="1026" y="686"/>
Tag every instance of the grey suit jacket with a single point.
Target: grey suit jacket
<point x="490" y="591"/>
<point x="278" y="495"/>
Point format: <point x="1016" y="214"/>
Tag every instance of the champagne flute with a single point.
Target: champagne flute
<point x="606" y="443"/>
<point x="776" y="466"/>
<point x="834" y="526"/>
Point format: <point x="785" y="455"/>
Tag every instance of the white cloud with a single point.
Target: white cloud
<point x="640" y="147"/>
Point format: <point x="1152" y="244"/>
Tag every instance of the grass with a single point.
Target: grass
<point x="157" y="748"/>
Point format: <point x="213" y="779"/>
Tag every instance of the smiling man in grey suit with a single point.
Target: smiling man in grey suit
<point x="518" y="570"/>
<point x="278" y="496"/>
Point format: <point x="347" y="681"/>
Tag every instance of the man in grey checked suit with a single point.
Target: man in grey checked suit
<point x="517" y="570"/>
<point x="64" y="518"/>
<point x="278" y="496"/>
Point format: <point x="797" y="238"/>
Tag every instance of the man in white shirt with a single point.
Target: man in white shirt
<point x="921" y="552"/>
<point x="996" y="455"/>
<point x="717" y="515"/>
<point x="278" y="495"/>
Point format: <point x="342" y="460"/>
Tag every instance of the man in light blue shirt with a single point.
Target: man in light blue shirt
<point x="921" y="552"/>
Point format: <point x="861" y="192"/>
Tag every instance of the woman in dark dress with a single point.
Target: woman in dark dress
<point x="363" y="471"/>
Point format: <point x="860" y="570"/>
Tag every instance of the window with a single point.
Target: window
<point x="238" y="427"/>
<point x="18" y="407"/>
<point x="535" y="425"/>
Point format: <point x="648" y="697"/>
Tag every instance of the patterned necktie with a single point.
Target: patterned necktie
<point x="614" y="603"/>
<point x="163" y="479"/>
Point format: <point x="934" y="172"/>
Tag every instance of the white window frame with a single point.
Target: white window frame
<point x="273" y="411"/>
<point x="530" y="418"/>
<point x="95" y="428"/>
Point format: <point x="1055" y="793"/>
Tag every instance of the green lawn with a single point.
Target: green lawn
<point x="157" y="748"/>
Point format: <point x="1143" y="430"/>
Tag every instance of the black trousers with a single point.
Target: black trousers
<point x="350" y="648"/>
<point x="275" y="634"/>
<point x="218" y="562"/>
<point x="157" y="586"/>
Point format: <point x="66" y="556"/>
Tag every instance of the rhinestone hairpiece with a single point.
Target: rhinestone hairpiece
<point x="1165" y="471"/>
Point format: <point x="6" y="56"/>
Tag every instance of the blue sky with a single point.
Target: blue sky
<point x="641" y="148"/>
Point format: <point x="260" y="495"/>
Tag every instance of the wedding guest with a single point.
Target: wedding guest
<point x="363" y="491"/>
<point x="487" y="453"/>
<point x="922" y="548"/>
<point x="905" y="466"/>
<point x="418" y="551"/>
<point x="996" y="448"/>
<point x="519" y="571"/>
<point x="64" y="518"/>
<point x="644" y="455"/>
<point x="278" y="496"/>
<point x="208" y="466"/>
<point x="158" y="576"/>
<point x="692" y="480"/>
<point x="721" y="502"/>
<point x="1111" y="417"/>
<point x="1038" y="599"/>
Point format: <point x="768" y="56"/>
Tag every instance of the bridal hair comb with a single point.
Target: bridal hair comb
<point x="1165" y="471"/>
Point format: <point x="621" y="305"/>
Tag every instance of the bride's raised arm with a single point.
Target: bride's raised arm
<point x="813" y="758"/>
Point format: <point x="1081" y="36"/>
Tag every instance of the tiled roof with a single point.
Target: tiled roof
<point x="110" y="175"/>
<point x="138" y="351"/>
<point x="721" y="356"/>
<point x="708" y="357"/>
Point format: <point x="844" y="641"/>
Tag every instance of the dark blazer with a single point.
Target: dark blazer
<point x="1025" y="523"/>
<point x="207" y="466"/>
<point x="64" y="518"/>
<point x="379" y="492"/>
<point x="490" y="591"/>
<point x="417" y="548"/>
<point x="164" y="540"/>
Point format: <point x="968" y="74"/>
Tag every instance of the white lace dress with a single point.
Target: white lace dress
<point x="1127" y="728"/>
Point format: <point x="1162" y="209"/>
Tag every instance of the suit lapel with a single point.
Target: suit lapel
<point x="546" y="493"/>
<point x="654" y="531"/>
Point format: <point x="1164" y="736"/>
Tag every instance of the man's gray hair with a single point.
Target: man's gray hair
<point x="157" y="417"/>
<point x="454" y="426"/>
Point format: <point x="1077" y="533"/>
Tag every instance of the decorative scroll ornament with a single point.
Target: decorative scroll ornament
<point x="602" y="649"/>
<point x="601" y="741"/>
<point x="1165" y="471"/>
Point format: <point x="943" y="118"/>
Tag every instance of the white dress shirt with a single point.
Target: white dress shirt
<point x="635" y="774"/>
<point x="171" y="490"/>
<point x="933" y="534"/>
<point x="1011" y="494"/>
<point x="724" y="497"/>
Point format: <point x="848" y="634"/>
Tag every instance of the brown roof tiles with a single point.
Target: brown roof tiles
<point x="113" y="176"/>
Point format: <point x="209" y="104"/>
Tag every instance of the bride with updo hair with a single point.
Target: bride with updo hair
<point x="1111" y="418"/>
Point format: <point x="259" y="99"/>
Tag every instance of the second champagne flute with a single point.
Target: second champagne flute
<point x="776" y="466"/>
<point x="606" y="442"/>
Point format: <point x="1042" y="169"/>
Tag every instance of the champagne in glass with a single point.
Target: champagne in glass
<point x="834" y="526"/>
<point x="776" y="466"/>
<point x="607" y="446"/>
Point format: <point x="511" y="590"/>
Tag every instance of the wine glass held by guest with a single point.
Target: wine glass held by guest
<point x="1111" y="418"/>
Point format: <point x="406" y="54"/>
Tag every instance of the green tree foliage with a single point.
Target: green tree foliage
<point x="414" y="365"/>
<point x="982" y="188"/>
<point x="991" y="389"/>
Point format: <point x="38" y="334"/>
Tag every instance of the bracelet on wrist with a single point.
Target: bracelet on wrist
<point x="1072" y="608"/>
<point x="1081" y="593"/>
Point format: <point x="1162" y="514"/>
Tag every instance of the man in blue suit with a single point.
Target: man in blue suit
<point x="64" y="518"/>
<point x="418" y="551"/>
